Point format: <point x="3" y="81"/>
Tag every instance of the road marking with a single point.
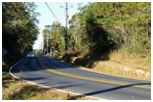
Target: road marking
<point x="90" y="79"/>
<point x="30" y="82"/>
<point x="12" y="67"/>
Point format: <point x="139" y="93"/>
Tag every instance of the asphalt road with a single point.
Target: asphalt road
<point x="55" y="74"/>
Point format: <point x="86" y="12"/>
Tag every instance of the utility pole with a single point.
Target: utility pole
<point x="66" y="39"/>
<point x="51" y="45"/>
<point x="75" y="32"/>
<point x="47" y="42"/>
<point x="55" y="35"/>
<point x="47" y="28"/>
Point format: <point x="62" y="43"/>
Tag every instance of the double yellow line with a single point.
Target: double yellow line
<point x="86" y="78"/>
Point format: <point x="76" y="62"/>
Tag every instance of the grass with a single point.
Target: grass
<point x="112" y="68"/>
<point x="132" y="60"/>
<point x="13" y="89"/>
<point x="119" y="64"/>
<point x="18" y="90"/>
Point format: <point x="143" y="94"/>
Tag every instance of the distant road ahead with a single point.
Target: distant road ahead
<point x="53" y="73"/>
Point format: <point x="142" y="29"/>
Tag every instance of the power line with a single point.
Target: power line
<point x="57" y="10"/>
<point x="52" y="6"/>
<point x="58" y="3"/>
<point x="62" y="12"/>
<point x="52" y="13"/>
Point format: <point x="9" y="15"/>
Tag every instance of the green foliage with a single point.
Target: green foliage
<point x="110" y="26"/>
<point x="102" y="27"/>
<point x="37" y="51"/>
<point x="54" y="37"/>
<point x="19" y="30"/>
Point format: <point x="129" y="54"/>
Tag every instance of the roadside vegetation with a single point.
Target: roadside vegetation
<point x="104" y="36"/>
<point x="135" y="68"/>
<point x="19" y="27"/>
<point x="101" y="28"/>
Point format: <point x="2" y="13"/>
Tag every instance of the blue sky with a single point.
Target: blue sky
<point x="46" y="17"/>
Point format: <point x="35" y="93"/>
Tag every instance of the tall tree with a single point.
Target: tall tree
<point x="55" y="37"/>
<point x="19" y="30"/>
<point x="110" y="26"/>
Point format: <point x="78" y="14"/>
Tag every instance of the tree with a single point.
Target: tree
<point x="55" y="37"/>
<point x="108" y="26"/>
<point x="19" y="30"/>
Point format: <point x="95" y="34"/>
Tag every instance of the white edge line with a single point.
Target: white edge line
<point x="73" y="93"/>
<point x="12" y="67"/>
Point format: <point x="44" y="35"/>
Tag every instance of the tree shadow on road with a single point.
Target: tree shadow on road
<point x="115" y="88"/>
<point x="108" y="90"/>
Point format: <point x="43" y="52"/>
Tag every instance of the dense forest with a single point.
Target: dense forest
<point x="102" y="27"/>
<point x="19" y="30"/>
<point x="99" y="27"/>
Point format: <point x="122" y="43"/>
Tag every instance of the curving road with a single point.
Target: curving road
<point x="52" y="73"/>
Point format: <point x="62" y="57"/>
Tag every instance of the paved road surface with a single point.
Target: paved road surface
<point x="53" y="73"/>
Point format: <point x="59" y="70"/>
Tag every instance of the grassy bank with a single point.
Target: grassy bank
<point x="126" y="65"/>
<point x="116" y="63"/>
<point x="13" y="89"/>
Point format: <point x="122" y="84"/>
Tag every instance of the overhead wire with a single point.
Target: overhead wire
<point x="58" y="3"/>
<point x="52" y="6"/>
<point x="62" y="12"/>
<point x="57" y="10"/>
<point x="52" y="13"/>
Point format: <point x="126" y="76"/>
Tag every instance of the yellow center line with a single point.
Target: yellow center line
<point x="86" y="78"/>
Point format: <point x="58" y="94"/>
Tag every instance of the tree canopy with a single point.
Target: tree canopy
<point x="106" y="26"/>
<point x="19" y="30"/>
<point x="101" y="27"/>
<point x="53" y="37"/>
